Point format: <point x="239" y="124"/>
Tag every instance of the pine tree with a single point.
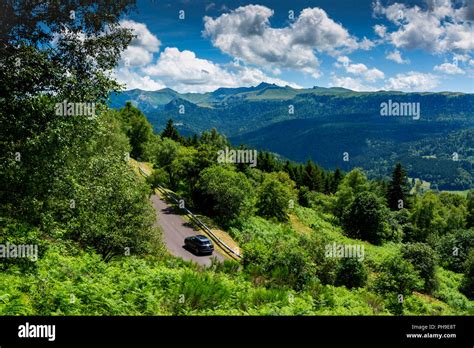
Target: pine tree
<point x="336" y="180"/>
<point x="398" y="189"/>
<point x="170" y="131"/>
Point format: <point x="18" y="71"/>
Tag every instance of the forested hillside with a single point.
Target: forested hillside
<point x="314" y="241"/>
<point x="302" y="124"/>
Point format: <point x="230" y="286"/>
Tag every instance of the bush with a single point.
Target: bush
<point x="365" y="218"/>
<point x="467" y="285"/>
<point x="453" y="249"/>
<point x="225" y="194"/>
<point x="351" y="273"/>
<point x="158" y="177"/>
<point x="274" y="198"/>
<point x="423" y="259"/>
<point x="397" y="277"/>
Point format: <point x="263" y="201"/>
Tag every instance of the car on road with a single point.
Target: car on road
<point x="199" y="244"/>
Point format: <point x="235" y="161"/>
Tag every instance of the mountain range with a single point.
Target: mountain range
<point x="335" y="127"/>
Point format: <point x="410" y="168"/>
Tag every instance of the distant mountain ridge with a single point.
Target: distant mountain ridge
<point x="320" y="123"/>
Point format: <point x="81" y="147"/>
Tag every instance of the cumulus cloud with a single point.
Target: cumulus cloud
<point x="412" y="81"/>
<point x="380" y="30"/>
<point x="353" y="83"/>
<point x="132" y="79"/>
<point x="143" y="45"/>
<point x="180" y="70"/>
<point x="438" y="27"/>
<point x="397" y="57"/>
<point x="461" y="57"/>
<point x="359" y="69"/>
<point x="449" y="68"/>
<point x="184" y="72"/>
<point x="245" y="33"/>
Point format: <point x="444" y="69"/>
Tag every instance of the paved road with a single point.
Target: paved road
<point x="175" y="229"/>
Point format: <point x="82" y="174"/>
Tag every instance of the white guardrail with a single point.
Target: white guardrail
<point x="201" y="224"/>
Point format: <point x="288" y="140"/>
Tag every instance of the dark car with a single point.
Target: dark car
<point x="199" y="244"/>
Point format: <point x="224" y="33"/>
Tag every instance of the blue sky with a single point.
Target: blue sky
<point x="198" y="46"/>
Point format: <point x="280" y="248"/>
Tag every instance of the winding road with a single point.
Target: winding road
<point x="175" y="229"/>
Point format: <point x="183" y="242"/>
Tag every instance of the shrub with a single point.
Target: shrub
<point x="423" y="259"/>
<point x="351" y="273"/>
<point x="453" y="249"/>
<point x="365" y="217"/>
<point x="467" y="285"/>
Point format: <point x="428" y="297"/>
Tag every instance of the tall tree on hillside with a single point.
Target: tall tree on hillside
<point x="336" y="180"/>
<point x="365" y="218"/>
<point x="138" y="130"/>
<point x="470" y="209"/>
<point x="398" y="189"/>
<point x="313" y="177"/>
<point x="52" y="53"/>
<point x="266" y="162"/>
<point x="170" y="131"/>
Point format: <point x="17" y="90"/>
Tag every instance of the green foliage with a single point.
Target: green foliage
<point x="365" y="218"/>
<point x="274" y="196"/>
<point x="398" y="189"/>
<point x="170" y="131"/>
<point x="353" y="183"/>
<point x="397" y="277"/>
<point x="470" y="209"/>
<point x="283" y="263"/>
<point x="351" y="273"/>
<point x="454" y="248"/>
<point x="426" y="217"/>
<point x="18" y="233"/>
<point x="423" y="259"/>
<point x="259" y="116"/>
<point x="73" y="194"/>
<point x="467" y="286"/>
<point x="138" y="130"/>
<point x="73" y="69"/>
<point x="158" y="177"/>
<point x="449" y="283"/>
<point x="226" y="194"/>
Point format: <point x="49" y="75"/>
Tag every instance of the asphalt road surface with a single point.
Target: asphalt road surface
<point x="175" y="229"/>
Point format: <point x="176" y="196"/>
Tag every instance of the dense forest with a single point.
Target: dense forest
<point x="69" y="188"/>
<point x="302" y="124"/>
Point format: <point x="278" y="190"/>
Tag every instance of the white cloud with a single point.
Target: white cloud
<point x="449" y="68"/>
<point x="461" y="57"/>
<point x="438" y="28"/>
<point x="397" y="57"/>
<point x="180" y="70"/>
<point x="184" y="72"/>
<point x="245" y="33"/>
<point x="360" y="69"/>
<point x="380" y="30"/>
<point x="132" y="79"/>
<point x="355" y="84"/>
<point x="412" y="81"/>
<point x="143" y="45"/>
